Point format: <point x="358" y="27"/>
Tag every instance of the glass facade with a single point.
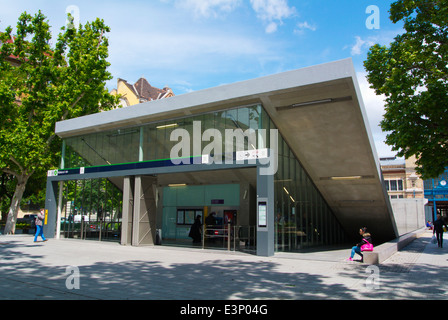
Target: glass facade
<point x="302" y="217"/>
<point x="153" y="141"/>
<point x="91" y="210"/>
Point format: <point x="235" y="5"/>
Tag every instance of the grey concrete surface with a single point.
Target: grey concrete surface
<point x="109" y="271"/>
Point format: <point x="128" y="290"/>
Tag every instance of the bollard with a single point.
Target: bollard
<point x="228" y="237"/>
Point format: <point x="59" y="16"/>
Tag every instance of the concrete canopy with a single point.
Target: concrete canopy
<point x="320" y="113"/>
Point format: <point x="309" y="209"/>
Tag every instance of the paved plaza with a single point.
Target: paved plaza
<point x="89" y="270"/>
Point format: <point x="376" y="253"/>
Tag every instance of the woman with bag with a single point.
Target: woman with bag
<point x="364" y="245"/>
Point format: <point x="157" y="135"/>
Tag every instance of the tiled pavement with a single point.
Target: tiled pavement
<point x="108" y="271"/>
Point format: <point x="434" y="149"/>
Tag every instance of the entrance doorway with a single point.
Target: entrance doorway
<point x="223" y="199"/>
<point x="161" y="208"/>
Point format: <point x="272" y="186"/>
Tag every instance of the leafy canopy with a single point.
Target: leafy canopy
<point x="412" y="73"/>
<point x="43" y="85"/>
<point x="40" y="85"/>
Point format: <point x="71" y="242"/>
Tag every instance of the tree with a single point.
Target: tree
<point x="412" y="73"/>
<point x="46" y="85"/>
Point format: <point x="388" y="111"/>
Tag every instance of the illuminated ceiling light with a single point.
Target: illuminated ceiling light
<point x="167" y="126"/>
<point x="346" y="178"/>
<point x="177" y="185"/>
<point x="286" y="190"/>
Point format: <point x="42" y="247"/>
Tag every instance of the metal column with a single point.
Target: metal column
<point x="265" y="224"/>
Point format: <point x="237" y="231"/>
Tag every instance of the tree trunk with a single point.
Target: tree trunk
<point x="4" y="194"/>
<point x="10" y="227"/>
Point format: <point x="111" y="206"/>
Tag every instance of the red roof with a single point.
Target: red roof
<point x="144" y="91"/>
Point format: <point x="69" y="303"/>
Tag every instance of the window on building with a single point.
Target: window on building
<point x="394" y="185"/>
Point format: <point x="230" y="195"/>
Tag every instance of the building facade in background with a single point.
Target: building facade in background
<point x="139" y="92"/>
<point x="436" y="191"/>
<point x="401" y="179"/>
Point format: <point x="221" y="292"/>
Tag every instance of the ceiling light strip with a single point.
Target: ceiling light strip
<point x="315" y="102"/>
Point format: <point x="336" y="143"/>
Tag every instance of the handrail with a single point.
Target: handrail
<point x="229" y="234"/>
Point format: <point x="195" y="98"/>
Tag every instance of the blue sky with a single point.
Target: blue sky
<point x="190" y="45"/>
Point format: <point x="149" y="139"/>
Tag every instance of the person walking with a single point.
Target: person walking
<point x="39" y="226"/>
<point x="438" y="230"/>
<point x="364" y="245"/>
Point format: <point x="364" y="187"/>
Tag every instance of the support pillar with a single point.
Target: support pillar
<point x="144" y="218"/>
<point x="51" y="206"/>
<point x="265" y="224"/>
<point x="128" y="211"/>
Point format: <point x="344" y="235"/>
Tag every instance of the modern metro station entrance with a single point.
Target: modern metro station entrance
<point x="288" y="155"/>
<point x="161" y="208"/>
<point x="217" y="205"/>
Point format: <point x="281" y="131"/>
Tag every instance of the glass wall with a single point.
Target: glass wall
<point x="303" y="219"/>
<point x="153" y="141"/>
<point x="91" y="210"/>
<point x="104" y="148"/>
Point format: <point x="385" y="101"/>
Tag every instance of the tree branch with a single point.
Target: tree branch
<point x="9" y="171"/>
<point x="99" y="41"/>
<point x="17" y="163"/>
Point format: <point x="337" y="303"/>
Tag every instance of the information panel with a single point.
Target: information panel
<point x="262" y="213"/>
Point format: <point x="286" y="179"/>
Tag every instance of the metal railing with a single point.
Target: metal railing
<point x="229" y="237"/>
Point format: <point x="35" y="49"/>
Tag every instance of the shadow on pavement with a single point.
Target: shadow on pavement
<point x="214" y="279"/>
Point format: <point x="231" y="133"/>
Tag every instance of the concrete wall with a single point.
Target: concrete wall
<point x="409" y="214"/>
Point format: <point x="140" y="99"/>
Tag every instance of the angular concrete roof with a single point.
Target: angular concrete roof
<point x="320" y="113"/>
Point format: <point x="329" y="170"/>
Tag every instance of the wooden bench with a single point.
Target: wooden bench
<point x="386" y="250"/>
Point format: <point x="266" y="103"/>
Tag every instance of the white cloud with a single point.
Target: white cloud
<point x="271" y="28"/>
<point x="356" y="48"/>
<point x="183" y="51"/>
<point x="272" y="12"/>
<point x="363" y="44"/>
<point x="303" y="26"/>
<point x="208" y="8"/>
<point x="374" y="106"/>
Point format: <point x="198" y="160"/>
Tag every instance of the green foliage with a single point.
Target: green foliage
<point x="412" y="73"/>
<point x="47" y="84"/>
<point x="23" y="225"/>
<point x="52" y="84"/>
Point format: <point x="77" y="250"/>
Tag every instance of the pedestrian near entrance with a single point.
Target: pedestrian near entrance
<point x="364" y="245"/>
<point x="211" y="220"/>
<point x="39" y="226"/>
<point x="438" y="230"/>
<point x="195" y="231"/>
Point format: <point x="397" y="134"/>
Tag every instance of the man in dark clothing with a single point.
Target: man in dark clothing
<point x="438" y="230"/>
<point x="195" y="231"/>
